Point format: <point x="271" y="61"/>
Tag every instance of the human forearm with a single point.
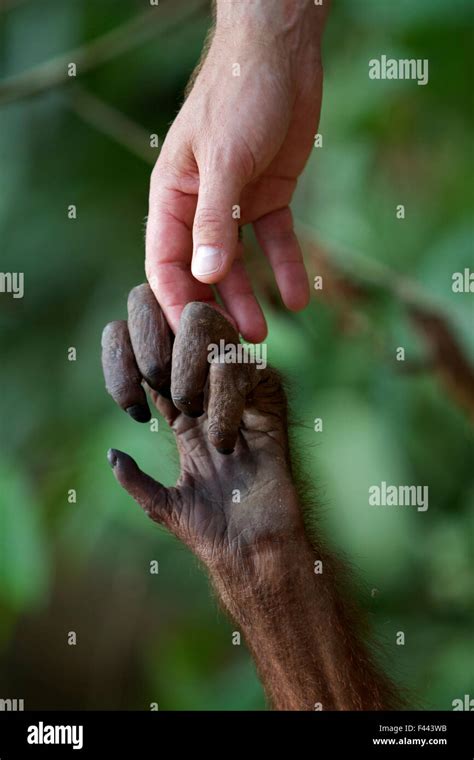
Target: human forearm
<point x="272" y="17"/>
<point x="308" y="641"/>
<point x="293" y="28"/>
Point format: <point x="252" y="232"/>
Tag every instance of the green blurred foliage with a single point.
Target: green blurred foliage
<point x="85" y="566"/>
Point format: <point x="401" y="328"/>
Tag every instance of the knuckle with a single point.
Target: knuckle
<point x="242" y="161"/>
<point x="158" y="171"/>
<point x="154" y="506"/>
<point x="164" y="168"/>
<point x="235" y="160"/>
<point x="138" y="293"/>
<point x="108" y="331"/>
<point x="209" y="219"/>
<point x="112" y="333"/>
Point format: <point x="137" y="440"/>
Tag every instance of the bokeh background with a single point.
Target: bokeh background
<point x="84" y="566"/>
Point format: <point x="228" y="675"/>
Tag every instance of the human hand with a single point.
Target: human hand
<point x="239" y="142"/>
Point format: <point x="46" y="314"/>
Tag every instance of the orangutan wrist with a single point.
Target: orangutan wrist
<point x="266" y="576"/>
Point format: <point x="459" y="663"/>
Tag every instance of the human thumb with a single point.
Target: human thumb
<point x="215" y="231"/>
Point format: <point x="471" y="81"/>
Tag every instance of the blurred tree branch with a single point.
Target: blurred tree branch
<point x="452" y="367"/>
<point x="348" y="291"/>
<point x="139" y="29"/>
<point x="112" y="123"/>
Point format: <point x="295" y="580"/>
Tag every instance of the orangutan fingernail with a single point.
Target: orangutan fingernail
<point x="139" y="413"/>
<point x="112" y="457"/>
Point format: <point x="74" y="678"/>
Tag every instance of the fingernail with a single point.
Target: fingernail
<point x="207" y="260"/>
<point x="139" y="413"/>
<point x="112" y="457"/>
<point x="165" y="391"/>
<point x="190" y="407"/>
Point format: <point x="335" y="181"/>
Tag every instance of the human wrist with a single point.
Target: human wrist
<point x="293" y="28"/>
<point x="273" y="17"/>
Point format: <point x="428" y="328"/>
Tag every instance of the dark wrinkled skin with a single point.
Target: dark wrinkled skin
<point x="305" y="636"/>
<point x="200" y="509"/>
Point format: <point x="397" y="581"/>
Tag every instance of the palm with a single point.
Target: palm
<point x="229" y="500"/>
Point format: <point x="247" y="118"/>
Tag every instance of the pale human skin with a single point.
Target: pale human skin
<point x="238" y="141"/>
